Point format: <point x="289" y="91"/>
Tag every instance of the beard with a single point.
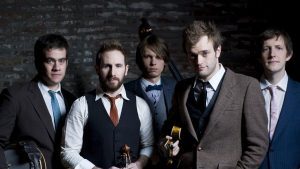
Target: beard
<point x="108" y="86"/>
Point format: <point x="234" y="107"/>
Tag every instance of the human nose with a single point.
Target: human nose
<point x="272" y="52"/>
<point x="153" y="61"/>
<point x="56" y="65"/>
<point x="112" y="71"/>
<point x="199" y="59"/>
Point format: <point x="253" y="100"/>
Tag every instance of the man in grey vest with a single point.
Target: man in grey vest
<point x="151" y="56"/>
<point x="108" y="127"/>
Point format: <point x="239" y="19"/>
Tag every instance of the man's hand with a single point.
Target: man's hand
<point x="173" y="146"/>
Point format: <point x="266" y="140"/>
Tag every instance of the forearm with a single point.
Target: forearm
<point x="142" y="161"/>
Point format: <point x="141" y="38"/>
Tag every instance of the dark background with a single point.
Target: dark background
<point x="86" y="23"/>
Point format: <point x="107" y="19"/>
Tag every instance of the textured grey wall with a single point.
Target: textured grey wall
<point x="85" y="23"/>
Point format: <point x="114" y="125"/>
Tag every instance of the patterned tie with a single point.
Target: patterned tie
<point x="113" y="109"/>
<point x="201" y="94"/>
<point x="273" y="110"/>
<point x="55" y="108"/>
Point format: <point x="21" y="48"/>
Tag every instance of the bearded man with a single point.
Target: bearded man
<point x="106" y="119"/>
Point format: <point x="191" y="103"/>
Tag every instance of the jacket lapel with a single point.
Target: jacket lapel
<point x="290" y="103"/>
<point x="40" y="107"/>
<point x="186" y="116"/>
<point x="167" y="91"/>
<point x="223" y="100"/>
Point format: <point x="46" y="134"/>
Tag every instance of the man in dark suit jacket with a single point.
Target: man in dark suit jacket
<point x="152" y="55"/>
<point x="26" y="110"/>
<point x="230" y="129"/>
<point x="284" y="131"/>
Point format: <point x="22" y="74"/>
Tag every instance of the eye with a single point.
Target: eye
<point x="49" y="61"/>
<point x="159" y="57"/>
<point x="193" y="55"/>
<point x="119" y="65"/>
<point x="62" y="60"/>
<point x="205" y="53"/>
<point x="265" y="49"/>
<point x="147" y="56"/>
<point x="279" y="47"/>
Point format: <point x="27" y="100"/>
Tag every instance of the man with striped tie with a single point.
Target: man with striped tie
<point x="282" y="95"/>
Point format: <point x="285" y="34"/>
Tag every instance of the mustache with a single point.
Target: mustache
<point x="113" y="78"/>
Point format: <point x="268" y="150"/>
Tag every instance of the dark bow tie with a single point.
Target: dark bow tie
<point x="153" y="87"/>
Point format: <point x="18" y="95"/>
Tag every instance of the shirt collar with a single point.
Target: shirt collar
<point x="216" y="79"/>
<point x="100" y="93"/>
<point x="45" y="88"/>
<point x="282" y="84"/>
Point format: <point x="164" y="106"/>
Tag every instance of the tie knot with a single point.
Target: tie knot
<point x="153" y="87"/>
<point x="200" y="85"/>
<point x="272" y="89"/>
<point x="52" y="93"/>
<point x="112" y="99"/>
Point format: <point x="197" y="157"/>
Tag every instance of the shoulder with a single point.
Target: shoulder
<point x="239" y="78"/>
<point x="143" y="108"/>
<point x="68" y="95"/>
<point x="19" y="89"/>
<point x="140" y="101"/>
<point x="293" y="84"/>
<point x="131" y="85"/>
<point x="168" y="81"/>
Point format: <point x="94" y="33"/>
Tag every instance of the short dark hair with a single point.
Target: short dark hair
<point x="274" y="32"/>
<point x="46" y="42"/>
<point x="156" y="44"/>
<point x="193" y="32"/>
<point x="110" y="45"/>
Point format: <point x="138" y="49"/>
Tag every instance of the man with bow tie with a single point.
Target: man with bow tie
<point x="151" y="56"/>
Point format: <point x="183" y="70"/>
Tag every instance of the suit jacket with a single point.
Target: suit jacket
<point x="236" y="135"/>
<point x="24" y="115"/>
<point x="284" y="148"/>
<point x="168" y="88"/>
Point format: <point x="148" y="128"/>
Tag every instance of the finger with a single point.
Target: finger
<point x="175" y="152"/>
<point x="176" y="143"/>
<point x="169" y="137"/>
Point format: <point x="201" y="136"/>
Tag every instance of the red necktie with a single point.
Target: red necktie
<point x="113" y="109"/>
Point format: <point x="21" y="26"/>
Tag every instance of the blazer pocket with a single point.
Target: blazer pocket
<point x="233" y="107"/>
<point x="226" y="166"/>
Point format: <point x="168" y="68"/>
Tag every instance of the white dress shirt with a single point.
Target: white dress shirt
<point x="47" y="98"/>
<point x="213" y="83"/>
<point x="77" y="119"/>
<point x="281" y="89"/>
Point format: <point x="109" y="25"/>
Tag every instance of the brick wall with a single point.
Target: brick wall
<point x="85" y="23"/>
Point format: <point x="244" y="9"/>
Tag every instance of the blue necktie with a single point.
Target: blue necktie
<point x="153" y="87"/>
<point x="55" y="108"/>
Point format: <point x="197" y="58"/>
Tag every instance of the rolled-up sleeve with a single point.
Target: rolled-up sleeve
<point x="146" y="130"/>
<point x="73" y="135"/>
